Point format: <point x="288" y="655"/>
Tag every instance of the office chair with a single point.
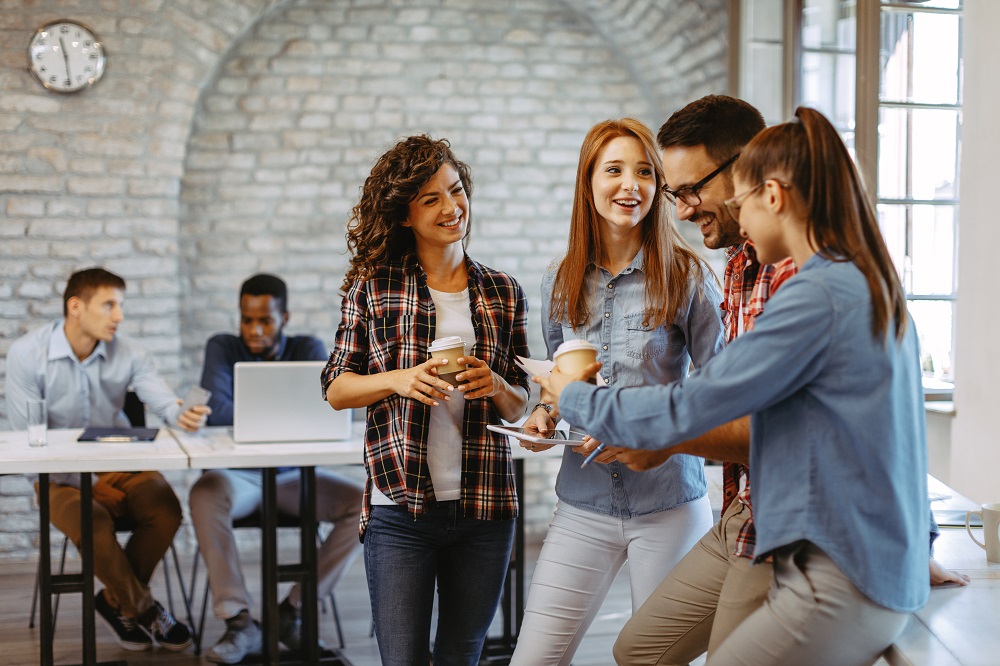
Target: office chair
<point x="254" y="520"/>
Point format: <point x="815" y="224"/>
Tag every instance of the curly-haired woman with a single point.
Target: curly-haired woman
<point x="439" y="502"/>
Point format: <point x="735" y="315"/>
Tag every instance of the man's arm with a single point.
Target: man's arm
<point x="217" y="377"/>
<point x="729" y="442"/>
<point x="21" y="386"/>
<point x="151" y="388"/>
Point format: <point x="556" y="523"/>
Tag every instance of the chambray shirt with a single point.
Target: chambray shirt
<point x="41" y="365"/>
<point x="635" y="353"/>
<point x="838" y="451"/>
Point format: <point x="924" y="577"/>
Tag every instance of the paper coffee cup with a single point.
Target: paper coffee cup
<point x="573" y="356"/>
<point x="451" y="348"/>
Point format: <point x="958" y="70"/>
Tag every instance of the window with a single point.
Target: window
<point x="889" y="76"/>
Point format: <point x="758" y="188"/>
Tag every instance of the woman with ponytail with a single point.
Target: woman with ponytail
<point x="830" y="375"/>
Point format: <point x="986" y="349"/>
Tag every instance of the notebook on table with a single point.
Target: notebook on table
<point x="281" y="401"/>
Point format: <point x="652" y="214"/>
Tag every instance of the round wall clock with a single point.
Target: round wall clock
<point x="66" y="56"/>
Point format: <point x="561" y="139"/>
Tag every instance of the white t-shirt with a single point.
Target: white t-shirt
<point x="444" y="436"/>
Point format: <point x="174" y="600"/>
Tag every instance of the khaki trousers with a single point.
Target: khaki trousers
<point x="151" y="511"/>
<point x="700" y="602"/>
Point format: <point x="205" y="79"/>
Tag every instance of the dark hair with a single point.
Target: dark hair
<point x="265" y="284"/>
<point x="375" y="232"/>
<point x="809" y="153"/>
<point x="83" y="284"/>
<point x="721" y="123"/>
<point x="668" y="259"/>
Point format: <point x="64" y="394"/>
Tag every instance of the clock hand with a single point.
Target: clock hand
<point x="62" y="45"/>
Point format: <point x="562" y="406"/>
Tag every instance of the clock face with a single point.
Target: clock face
<point x="65" y="56"/>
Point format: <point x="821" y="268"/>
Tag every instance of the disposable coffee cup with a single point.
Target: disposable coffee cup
<point x="573" y="356"/>
<point x="450" y="348"/>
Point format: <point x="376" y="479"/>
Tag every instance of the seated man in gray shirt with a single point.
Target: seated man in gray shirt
<point x="222" y="495"/>
<point x="83" y="369"/>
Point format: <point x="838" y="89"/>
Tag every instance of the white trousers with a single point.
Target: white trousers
<point x="220" y="495"/>
<point x="582" y="554"/>
<point x="813" y="615"/>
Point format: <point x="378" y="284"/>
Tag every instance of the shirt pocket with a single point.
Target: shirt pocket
<point x="391" y="342"/>
<point x="643" y="340"/>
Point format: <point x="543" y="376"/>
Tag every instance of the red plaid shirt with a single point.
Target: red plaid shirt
<point x="746" y="288"/>
<point x="387" y="322"/>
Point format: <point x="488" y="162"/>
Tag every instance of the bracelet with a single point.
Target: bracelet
<point x="547" y="408"/>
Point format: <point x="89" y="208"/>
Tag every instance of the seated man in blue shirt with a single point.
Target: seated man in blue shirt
<point x="220" y="496"/>
<point x="82" y="369"/>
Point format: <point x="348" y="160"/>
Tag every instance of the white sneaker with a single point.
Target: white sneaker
<point x="236" y="644"/>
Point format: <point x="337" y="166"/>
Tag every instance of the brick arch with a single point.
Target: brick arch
<point x="305" y="99"/>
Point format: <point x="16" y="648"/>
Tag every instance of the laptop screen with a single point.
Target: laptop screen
<point x="280" y="401"/>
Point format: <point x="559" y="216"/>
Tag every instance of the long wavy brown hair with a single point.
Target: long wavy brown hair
<point x="668" y="259"/>
<point x="810" y="154"/>
<point x="375" y="232"/>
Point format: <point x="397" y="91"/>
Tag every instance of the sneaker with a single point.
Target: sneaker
<point x="165" y="630"/>
<point x="237" y="643"/>
<point x="289" y="625"/>
<point x="126" y="630"/>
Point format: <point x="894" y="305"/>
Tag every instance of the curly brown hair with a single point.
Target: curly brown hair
<point x="375" y="232"/>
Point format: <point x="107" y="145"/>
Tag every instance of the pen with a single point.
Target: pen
<point x="593" y="454"/>
<point x="117" y="438"/>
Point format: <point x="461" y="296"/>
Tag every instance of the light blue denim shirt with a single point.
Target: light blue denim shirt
<point x="42" y="365"/>
<point x="635" y="353"/>
<point x="838" y="444"/>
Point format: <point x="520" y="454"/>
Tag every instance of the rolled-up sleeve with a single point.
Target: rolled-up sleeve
<point x="350" y="346"/>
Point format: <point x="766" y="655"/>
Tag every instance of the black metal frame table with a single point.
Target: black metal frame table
<point x="66" y="455"/>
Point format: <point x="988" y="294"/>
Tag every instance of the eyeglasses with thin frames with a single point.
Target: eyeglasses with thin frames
<point x="690" y="194"/>
<point x="734" y="204"/>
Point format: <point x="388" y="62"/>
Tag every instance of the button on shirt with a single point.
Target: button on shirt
<point x="42" y="365"/>
<point x="636" y="353"/>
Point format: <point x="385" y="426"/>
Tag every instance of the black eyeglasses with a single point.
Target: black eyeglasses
<point x="689" y="195"/>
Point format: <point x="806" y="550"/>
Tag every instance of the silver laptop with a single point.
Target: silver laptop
<point x="281" y="401"/>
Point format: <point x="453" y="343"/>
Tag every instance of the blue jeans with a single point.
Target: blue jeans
<point x="403" y="558"/>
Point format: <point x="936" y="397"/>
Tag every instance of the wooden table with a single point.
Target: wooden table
<point x="959" y="625"/>
<point x="62" y="455"/>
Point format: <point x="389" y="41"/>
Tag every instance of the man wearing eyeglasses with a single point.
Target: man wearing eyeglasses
<point x="717" y="585"/>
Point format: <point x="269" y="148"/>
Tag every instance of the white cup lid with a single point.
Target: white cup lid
<point x="449" y="342"/>
<point x="574" y="345"/>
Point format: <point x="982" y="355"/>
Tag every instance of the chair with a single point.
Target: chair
<point x="135" y="411"/>
<point x="254" y="521"/>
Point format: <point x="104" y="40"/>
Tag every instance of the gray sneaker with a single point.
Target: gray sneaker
<point x="236" y="644"/>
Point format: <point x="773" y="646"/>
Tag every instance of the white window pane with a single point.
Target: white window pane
<point x="828" y="86"/>
<point x="762" y="80"/>
<point x="918" y="153"/>
<point x="920" y="58"/>
<point x="932" y="253"/>
<point x="892" y="222"/>
<point x="762" y="20"/>
<point x="934" y="4"/>
<point x="935" y="326"/>
<point x="829" y="24"/>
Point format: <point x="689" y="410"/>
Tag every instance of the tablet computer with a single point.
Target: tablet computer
<point x="92" y="434"/>
<point x="567" y="437"/>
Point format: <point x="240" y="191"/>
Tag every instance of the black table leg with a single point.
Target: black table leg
<point x="66" y="583"/>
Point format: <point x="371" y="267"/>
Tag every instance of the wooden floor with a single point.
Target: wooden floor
<point x="19" y="644"/>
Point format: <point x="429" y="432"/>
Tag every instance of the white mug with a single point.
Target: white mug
<point x="990" y="515"/>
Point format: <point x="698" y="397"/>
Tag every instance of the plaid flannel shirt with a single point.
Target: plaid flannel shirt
<point x="387" y="323"/>
<point x="746" y="288"/>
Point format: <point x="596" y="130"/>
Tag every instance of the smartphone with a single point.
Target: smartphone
<point x="196" y="395"/>
<point x="567" y="437"/>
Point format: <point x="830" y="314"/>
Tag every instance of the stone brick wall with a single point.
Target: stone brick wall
<point x="231" y="136"/>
